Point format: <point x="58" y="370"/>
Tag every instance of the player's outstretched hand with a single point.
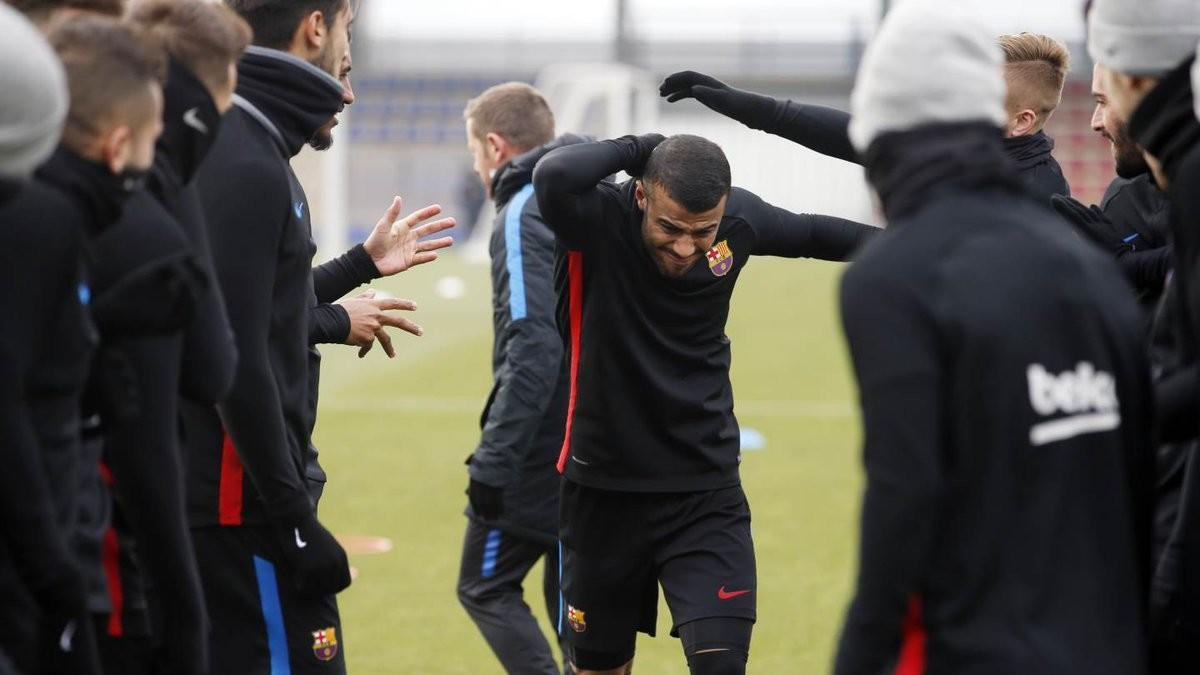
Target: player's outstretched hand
<point x="317" y="561"/>
<point x="396" y="244"/>
<point x="369" y="318"/>
<point x="487" y="501"/>
<point x="683" y="85"/>
<point x="1093" y="225"/>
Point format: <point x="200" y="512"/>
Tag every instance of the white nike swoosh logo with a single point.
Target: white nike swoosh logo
<point x="300" y="543"/>
<point x="576" y="459"/>
<point x="68" y="634"/>
<point x="192" y="119"/>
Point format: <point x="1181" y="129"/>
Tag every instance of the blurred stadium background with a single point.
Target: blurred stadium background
<point x="394" y="434"/>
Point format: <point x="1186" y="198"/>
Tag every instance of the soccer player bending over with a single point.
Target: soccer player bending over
<point x="1004" y="391"/>
<point x="652" y="493"/>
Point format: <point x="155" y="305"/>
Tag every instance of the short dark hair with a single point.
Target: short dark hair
<point x="111" y="67"/>
<point x="203" y="36"/>
<point x="274" y="22"/>
<point x="693" y="170"/>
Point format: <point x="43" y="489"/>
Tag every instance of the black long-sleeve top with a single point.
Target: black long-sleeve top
<point x="648" y="351"/>
<point x="258" y="219"/>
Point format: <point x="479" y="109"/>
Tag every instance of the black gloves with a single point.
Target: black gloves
<point x="318" y="562"/>
<point x="1091" y="222"/>
<point x="487" y="501"/>
<point x="753" y="110"/>
<point x="635" y="151"/>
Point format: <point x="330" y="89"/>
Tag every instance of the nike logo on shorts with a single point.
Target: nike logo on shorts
<point x="300" y="543"/>
<point x="724" y="595"/>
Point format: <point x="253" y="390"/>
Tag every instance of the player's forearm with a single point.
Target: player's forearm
<point x="837" y="238"/>
<point x="818" y="128"/>
<point x="528" y="385"/>
<point x="252" y="414"/>
<point x="1147" y="270"/>
<point x="896" y="529"/>
<point x="333" y="279"/>
<point x="328" y="325"/>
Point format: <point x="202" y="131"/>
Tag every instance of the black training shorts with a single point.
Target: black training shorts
<point x="619" y="546"/>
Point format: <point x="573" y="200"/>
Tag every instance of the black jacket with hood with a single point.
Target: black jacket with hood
<point x="259" y="227"/>
<point x="525" y="415"/>
<point x="1007" y="417"/>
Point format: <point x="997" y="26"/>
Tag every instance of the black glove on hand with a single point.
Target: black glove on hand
<point x="636" y="151"/>
<point x="487" y="501"/>
<point x="753" y="110"/>
<point x="318" y="562"/>
<point x="1091" y="222"/>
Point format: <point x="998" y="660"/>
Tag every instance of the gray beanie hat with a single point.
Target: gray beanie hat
<point x="35" y="96"/>
<point x="1143" y="37"/>
<point x="931" y="61"/>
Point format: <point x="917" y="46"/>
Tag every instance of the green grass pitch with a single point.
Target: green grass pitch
<point x="394" y="434"/>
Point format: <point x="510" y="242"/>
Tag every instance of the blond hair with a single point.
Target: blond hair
<point x="1035" y="70"/>
<point x="514" y="111"/>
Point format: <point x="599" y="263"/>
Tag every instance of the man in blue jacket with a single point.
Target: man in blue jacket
<point x="513" y="491"/>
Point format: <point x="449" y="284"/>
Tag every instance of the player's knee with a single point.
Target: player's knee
<point x="590" y="661"/>
<point x="718" y="662"/>
<point x="718" y="646"/>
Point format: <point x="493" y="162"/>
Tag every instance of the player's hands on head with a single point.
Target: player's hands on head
<point x="684" y="84"/>
<point x="1091" y="223"/>
<point x="317" y="561"/>
<point x="396" y="245"/>
<point x="369" y="319"/>
<point x="638" y="151"/>
<point x="487" y="501"/>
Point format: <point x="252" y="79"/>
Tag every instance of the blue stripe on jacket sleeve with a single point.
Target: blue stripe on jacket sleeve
<point x="513" y="259"/>
<point x="268" y="595"/>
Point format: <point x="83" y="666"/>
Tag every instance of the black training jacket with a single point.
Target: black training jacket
<point x="1165" y="125"/>
<point x="827" y="131"/>
<point x="44" y="296"/>
<point x="96" y="199"/>
<point x="259" y="227"/>
<point x="142" y="444"/>
<point x="1006" y="428"/>
<point x="651" y="404"/>
<point x="522" y="422"/>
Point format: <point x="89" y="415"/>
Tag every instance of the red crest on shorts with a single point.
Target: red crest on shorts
<point x="325" y="644"/>
<point x="720" y="258"/>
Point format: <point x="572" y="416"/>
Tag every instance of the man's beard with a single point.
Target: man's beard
<point x="328" y="62"/>
<point x="322" y="140"/>
<point x="1127" y="155"/>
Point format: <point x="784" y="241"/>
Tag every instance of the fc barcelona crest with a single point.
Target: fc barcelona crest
<point x="325" y="644"/>
<point x="720" y="259"/>
<point x="576" y="619"/>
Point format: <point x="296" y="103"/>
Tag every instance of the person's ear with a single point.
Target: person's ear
<point x="1026" y="123"/>
<point x="115" y="149"/>
<point x="312" y="33"/>
<point x="497" y="148"/>
<point x="639" y="194"/>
